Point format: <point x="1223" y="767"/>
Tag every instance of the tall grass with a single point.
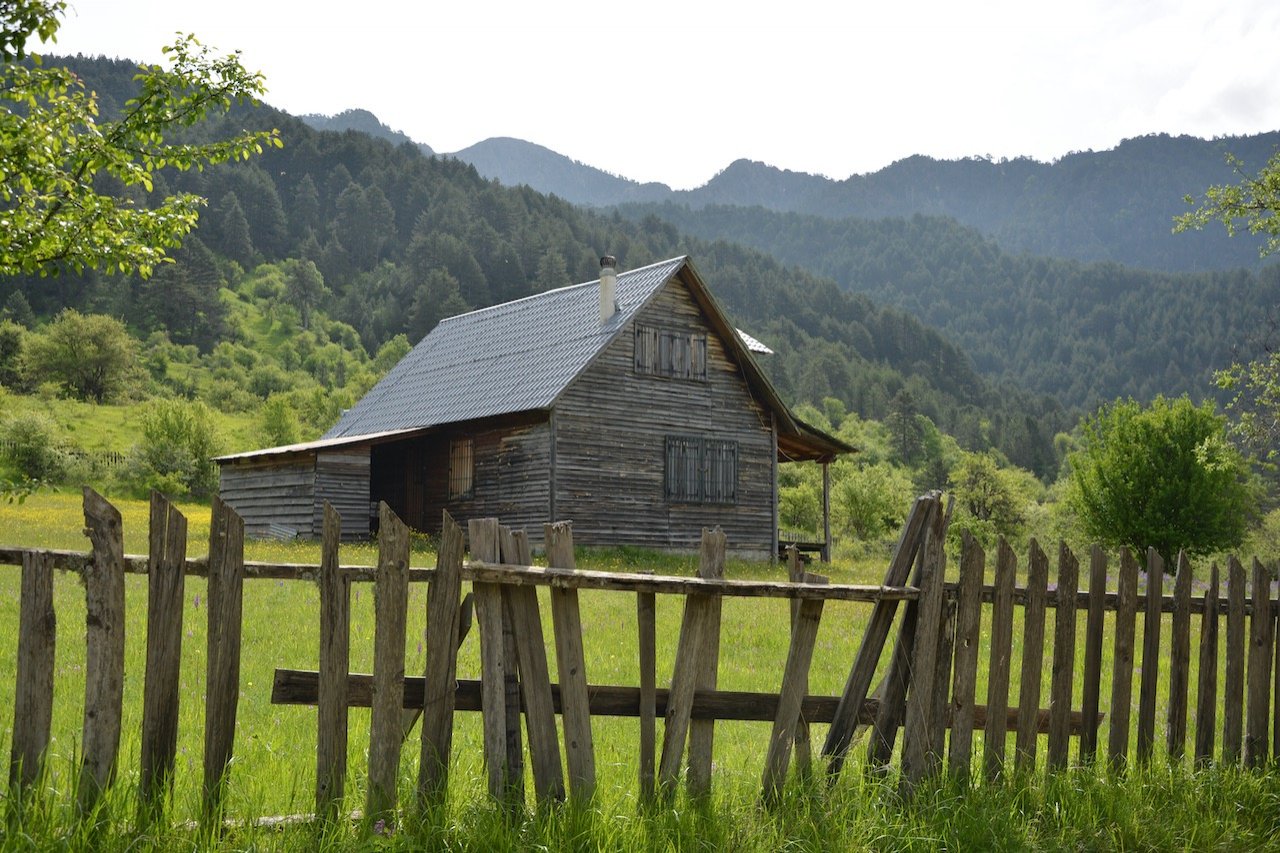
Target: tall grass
<point x="274" y="766"/>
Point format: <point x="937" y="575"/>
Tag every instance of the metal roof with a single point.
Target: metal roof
<point x="514" y="357"/>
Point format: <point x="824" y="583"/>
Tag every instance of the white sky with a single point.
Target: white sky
<point x="676" y="91"/>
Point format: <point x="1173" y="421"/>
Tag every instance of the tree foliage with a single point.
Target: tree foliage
<point x="56" y="153"/>
<point x="91" y="355"/>
<point x="1163" y="476"/>
<point x="1253" y="203"/>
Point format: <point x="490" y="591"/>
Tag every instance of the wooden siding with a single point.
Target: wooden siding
<point x="271" y="492"/>
<point x="342" y="479"/>
<point x="611" y="428"/>
<point x="512" y="461"/>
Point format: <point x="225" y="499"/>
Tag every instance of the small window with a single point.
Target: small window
<point x="663" y="352"/>
<point x="462" y="469"/>
<point x="700" y="470"/>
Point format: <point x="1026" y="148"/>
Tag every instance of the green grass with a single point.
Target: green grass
<point x="273" y="772"/>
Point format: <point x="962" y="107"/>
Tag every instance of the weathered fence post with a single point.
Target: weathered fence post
<point x="795" y="684"/>
<point x="1207" y="691"/>
<point x="439" y="690"/>
<point x="502" y="751"/>
<point x="803" y="747"/>
<point x="104" y="648"/>
<point x="920" y="756"/>
<point x="1259" y="689"/>
<point x="33" y="693"/>
<point x="535" y="679"/>
<point x="166" y="573"/>
<point x="1024" y="756"/>
<point x="1064" y="659"/>
<point x="968" y="633"/>
<point x="335" y="662"/>
<point x="647" y="629"/>
<point x="1150" y="656"/>
<point x="566" y="619"/>
<point x="996" y="733"/>
<point x="685" y="676"/>
<point x="1093" y="634"/>
<point x="702" y="732"/>
<point x="391" y="601"/>
<point x="1122" y="662"/>
<point x="858" y="685"/>
<point x="1179" y="662"/>
<point x="1233" y="682"/>
<point x="222" y="685"/>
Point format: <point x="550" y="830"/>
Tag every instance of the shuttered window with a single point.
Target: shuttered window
<point x="701" y="470"/>
<point x="462" y="469"/>
<point x="664" y="352"/>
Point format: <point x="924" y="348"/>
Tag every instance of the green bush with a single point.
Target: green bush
<point x="29" y="445"/>
<point x="177" y="449"/>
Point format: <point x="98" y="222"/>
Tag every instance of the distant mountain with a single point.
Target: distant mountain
<point x="365" y="122"/>
<point x="514" y="162"/>
<point x="1115" y="205"/>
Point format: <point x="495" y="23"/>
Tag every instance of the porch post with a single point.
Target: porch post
<point x="826" y="511"/>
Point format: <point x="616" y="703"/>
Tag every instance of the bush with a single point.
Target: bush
<point x="176" y="454"/>
<point x="30" y="446"/>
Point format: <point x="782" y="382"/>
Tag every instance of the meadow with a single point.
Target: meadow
<point x="1158" y="807"/>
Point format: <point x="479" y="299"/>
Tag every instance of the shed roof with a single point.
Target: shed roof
<point x="520" y="356"/>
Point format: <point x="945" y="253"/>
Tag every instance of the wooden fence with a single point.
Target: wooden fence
<point x="929" y="685"/>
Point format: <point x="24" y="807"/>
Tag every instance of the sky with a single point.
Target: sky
<point x="676" y="91"/>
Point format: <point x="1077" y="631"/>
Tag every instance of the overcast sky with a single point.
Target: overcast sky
<point x="675" y="91"/>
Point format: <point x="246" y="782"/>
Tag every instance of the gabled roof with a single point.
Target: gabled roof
<point x="521" y="356"/>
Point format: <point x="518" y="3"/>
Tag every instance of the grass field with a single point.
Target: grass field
<point x="274" y="767"/>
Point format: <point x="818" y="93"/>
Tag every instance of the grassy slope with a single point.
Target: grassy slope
<point x="275" y="750"/>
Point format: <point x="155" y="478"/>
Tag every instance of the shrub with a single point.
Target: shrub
<point x="177" y="449"/>
<point x="30" y="446"/>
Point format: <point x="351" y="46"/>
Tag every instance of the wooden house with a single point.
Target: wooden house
<point x="629" y="405"/>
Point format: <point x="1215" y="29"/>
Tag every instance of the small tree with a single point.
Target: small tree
<point x="178" y="445"/>
<point x="91" y="355"/>
<point x="1163" y="477"/>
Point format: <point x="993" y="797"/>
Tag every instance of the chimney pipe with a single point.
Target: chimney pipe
<point x="608" y="288"/>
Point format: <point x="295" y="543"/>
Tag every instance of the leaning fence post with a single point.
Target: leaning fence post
<point x="104" y="648"/>
<point x="439" y="690"/>
<point x="566" y="618"/>
<point x="222" y="685"/>
<point x="391" y="600"/>
<point x="702" y="732"/>
<point x="165" y="583"/>
<point x="335" y="662"/>
<point x="498" y="675"/>
<point x="920" y="755"/>
<point x="803" y="748"/>
<point x="33" y="693"/>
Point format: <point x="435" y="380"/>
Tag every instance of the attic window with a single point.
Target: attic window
<point x="462" y="469"/>
<point x="666" y="352"/>
<point x="700" y="470"/>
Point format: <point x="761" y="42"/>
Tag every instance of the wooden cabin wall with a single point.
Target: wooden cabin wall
<point x="610" y="442"/>
<point x="271" y="492"/>
<point x="342" y="479"/>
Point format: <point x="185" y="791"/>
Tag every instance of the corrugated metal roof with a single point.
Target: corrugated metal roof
<point x="752" y="344"/>
<point x="513" y="357"/>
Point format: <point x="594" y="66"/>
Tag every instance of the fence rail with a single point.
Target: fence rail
<point x="927" y="683"/>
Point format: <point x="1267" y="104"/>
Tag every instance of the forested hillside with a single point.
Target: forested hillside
<point x="400" y="240"/>
<point x="1115" y="205"/>
<point x="1085" y="333"/>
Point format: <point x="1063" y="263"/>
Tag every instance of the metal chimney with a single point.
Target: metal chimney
<point x="608" y="288"/>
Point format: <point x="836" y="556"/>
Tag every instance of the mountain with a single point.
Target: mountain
<point x="514" y="162"/>
<point x="1082" y="332"/>
<point x="1116" y="205"/>
<point x="364" y="122"/>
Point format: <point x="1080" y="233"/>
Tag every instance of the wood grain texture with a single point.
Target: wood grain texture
<point x="684" y="677"/>
<point x="443" y="637"/>
<point x="165" y="584"/>
<point x="647" y="628"/>
<point x="968" y="637"/>
<point x="222" y="671"/>
<point x="711" y="558"/>
<point x="1233" y="681"/>
<point x="33" y="692"/>
<point x="1149" y="683"/>
<point x="390" y="604"/>
<point x="104" y="649"/>
<point x="795" y="678"/>
<point x="335" y="663"/>
<point x="921" y="756"/>
<point x="995" y="739"/>
<point x="1122" y="662"/>
<point x="1261" y="625"/>
<point x="579" y="744"/>
<point x="1091" y="688"/>
<point x="1179" y="662"/>
<point x="1062" y="678"/>
<point x="1207" y="686"/>
<point x="1032" y="655"/>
